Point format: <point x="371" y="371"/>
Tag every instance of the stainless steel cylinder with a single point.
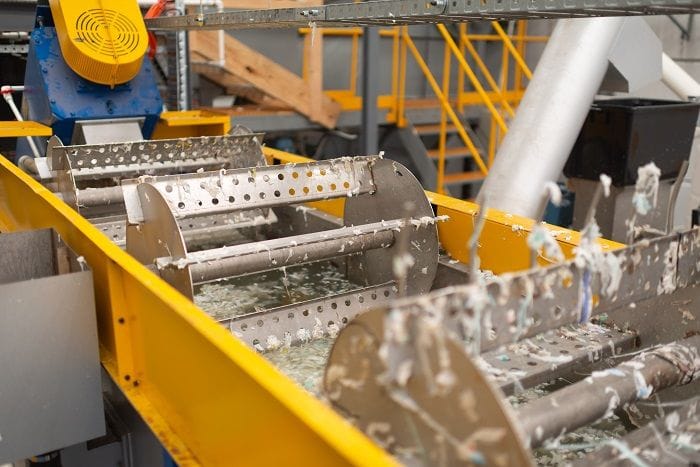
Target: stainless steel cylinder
<point x="596" y="396"/>
<point x="293" y="255"/>
<point x="92" y="197"/>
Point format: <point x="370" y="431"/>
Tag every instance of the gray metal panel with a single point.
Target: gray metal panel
<point x="417" y="152"/>
<point x="17" y="15"/>
<point x="49" y="362"/>
<point x="26" y="255"/>
<point x="312" y="319"/>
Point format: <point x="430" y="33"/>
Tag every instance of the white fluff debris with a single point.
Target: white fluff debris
<point x="313" y="27"/>
<point x="590" y="258"/>
<point x="589" y="255"/>
<point x="646" y="190"/>
<point x="668" y="279"/>
<point x="554" y="192"/>
<point x="541" y="239"/>
<point x="402" y="264"/>
<point x="81" y="262"/>
<point x="606" y="181"/>
<point x="644" y="390"/>
<point x="273" y="343"/>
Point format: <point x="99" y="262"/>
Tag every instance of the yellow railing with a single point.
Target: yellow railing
<point x="499" y="95"/>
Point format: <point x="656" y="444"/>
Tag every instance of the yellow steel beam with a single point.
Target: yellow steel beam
<point x="16" y="129"/>
<point x="503" y="243"/>
<point x="502" y="246"/>
<point x="350" y="101"/>
<point x="191" y="123"/>
<point x="207" y="397"/>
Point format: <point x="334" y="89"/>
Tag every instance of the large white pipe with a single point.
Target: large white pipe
<point x="677" y="79"/>
<point x="551" y="114"/>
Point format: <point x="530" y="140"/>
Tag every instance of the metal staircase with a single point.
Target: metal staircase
<point x="460" y="171"/>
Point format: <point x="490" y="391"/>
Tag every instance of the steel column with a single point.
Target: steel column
<point x="370" y="90"/>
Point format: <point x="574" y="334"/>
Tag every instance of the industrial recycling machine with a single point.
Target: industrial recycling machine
<point x="131" y="217"/>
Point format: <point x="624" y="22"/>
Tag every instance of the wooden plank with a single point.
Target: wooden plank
<point x="313" y="57"/>
<point x="233" y="85"/>
<point x="267" y="75"/>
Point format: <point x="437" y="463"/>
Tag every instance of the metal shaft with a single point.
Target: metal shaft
<point x="91" y="197"/>
<point x="288" y="255"/>
<point x="598" y="395"/>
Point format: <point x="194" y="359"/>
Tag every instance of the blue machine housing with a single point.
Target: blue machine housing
<point x="56" y="96"/>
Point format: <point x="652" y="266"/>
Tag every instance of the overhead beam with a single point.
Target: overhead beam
<point x="401" y="12"/>
<point x="265" y="4"/>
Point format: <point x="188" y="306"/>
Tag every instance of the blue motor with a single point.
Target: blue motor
<point x="56" y="96"/>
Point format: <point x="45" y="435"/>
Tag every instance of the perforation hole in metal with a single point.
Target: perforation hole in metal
<point x="244" y="189"/>
<point x="205" y="151"/>
<point x="294" y="317"/>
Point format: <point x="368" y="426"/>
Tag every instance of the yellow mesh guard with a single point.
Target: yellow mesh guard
<point x="104" y="41"/>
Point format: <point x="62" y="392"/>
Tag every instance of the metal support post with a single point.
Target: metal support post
<point x="370" y="90"/>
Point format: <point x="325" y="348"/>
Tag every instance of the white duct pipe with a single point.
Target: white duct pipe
<point x="677" y="79"/>
<point x="551" y="113"/>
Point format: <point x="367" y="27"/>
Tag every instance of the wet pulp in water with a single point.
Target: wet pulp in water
<point x="305" y="363"/>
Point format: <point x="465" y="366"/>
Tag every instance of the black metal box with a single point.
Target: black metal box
<point x="620" y="135"/>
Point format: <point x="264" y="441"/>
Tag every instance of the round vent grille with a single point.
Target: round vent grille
<point x="107" y="32"/>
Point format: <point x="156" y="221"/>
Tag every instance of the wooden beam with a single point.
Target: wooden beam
<point x="233" y="85"/>
<point x="313" y="57"/>
<point x="267" y="75"/>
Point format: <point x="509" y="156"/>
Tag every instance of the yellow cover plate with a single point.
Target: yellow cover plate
<point x="103" y="41"/>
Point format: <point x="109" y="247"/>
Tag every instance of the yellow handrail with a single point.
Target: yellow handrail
<point x="509" y="44"/>
<point x="472" y="77"/>
<point x="444" y="102"/>
<point x="462" y="28"/>
<point x="487" y="74"/>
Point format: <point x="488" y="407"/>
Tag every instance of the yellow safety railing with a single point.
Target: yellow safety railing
<point x="500" y="94"/>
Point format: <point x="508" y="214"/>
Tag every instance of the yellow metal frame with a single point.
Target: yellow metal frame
<point x="503" y="242"/>
<point x="208" y="398"/>
<point x="18" y="129"/>
<point x="190" y="123"/>
<point x="502" y="246"/>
